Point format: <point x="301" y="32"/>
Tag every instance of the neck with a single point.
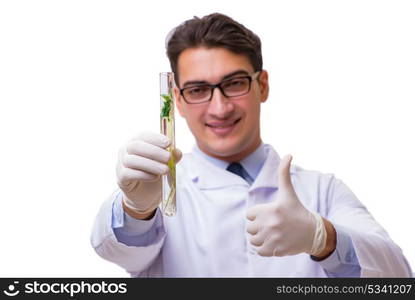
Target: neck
<point x="238" y="156"/>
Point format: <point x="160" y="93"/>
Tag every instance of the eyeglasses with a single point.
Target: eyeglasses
<point x="233" y="87"/>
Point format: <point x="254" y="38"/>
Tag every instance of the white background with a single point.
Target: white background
<point x="79" y="78"/>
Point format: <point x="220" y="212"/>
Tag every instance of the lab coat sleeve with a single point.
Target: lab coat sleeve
<point x="378" y="255"/>
<point x="135" y="249"/>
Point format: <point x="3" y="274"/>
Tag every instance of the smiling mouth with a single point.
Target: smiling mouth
<point x="219" y="126"/>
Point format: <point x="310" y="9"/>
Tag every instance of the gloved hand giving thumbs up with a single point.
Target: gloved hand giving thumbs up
<point x="285" y="226"/>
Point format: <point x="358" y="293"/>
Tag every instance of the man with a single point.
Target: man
<point x="241" y="210"/>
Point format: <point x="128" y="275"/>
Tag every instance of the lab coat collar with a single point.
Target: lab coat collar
<point x="206" y="175"/>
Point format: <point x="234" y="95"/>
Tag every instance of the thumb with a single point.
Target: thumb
<point x="284" y="178"/>
<point x="177" y="154"/>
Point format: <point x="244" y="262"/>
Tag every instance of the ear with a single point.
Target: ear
<point x="179" y="101"/>
<point x="263" y="85"/>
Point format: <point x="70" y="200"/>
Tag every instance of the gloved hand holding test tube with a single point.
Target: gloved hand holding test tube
<point x="167" y="128"/>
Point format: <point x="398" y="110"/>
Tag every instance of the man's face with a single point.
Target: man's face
<point x="226" y="128"/>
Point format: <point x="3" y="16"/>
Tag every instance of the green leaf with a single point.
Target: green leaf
<point x="165" y="111"/>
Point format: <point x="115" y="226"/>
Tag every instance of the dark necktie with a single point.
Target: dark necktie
<point x="237" y="169"/>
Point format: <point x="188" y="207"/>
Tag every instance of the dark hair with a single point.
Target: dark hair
<point x="214" y="30"/>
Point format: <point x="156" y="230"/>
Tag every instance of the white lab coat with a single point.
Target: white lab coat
<point x="207" y="237"/>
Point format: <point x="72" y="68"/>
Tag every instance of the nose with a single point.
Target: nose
<point x="220" y="106"/>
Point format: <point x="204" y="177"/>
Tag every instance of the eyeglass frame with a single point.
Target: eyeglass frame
<point x="212" y="87"/>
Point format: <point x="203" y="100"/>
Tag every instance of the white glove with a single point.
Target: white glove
<point x="140" y="163"/>
<point x="285" y="226"/>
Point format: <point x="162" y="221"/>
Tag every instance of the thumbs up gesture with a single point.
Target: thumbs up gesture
<point x="285" y="226"/>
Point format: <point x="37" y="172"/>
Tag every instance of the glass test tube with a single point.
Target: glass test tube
<point x="167" y="128"/>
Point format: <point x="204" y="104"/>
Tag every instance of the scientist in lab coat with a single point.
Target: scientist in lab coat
<point x="242" y="211"/>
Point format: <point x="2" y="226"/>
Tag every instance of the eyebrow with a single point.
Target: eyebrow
<point x="199" y="82"/>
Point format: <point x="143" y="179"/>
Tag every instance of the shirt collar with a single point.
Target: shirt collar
<point x="254" y="161"/>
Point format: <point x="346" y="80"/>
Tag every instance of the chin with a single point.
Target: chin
<point x="222" y="149"/>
